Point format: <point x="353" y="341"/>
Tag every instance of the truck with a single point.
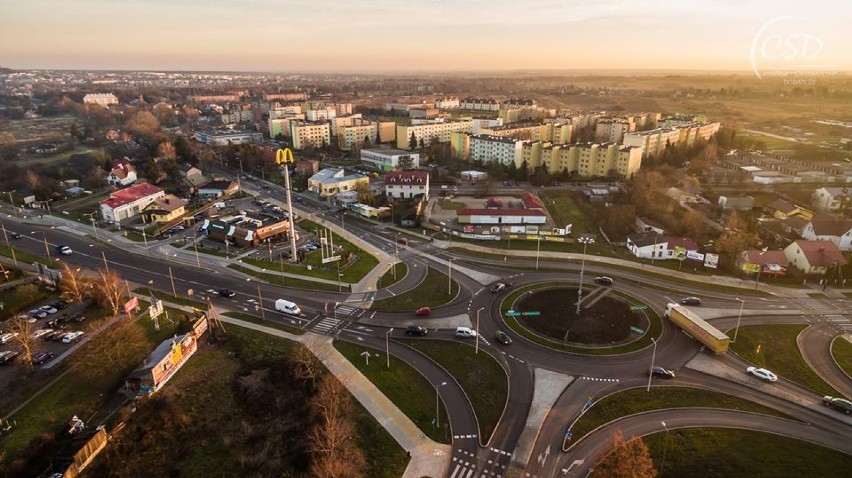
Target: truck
<point x="697" y="328"/>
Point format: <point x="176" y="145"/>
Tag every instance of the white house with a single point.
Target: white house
<point x="831" y="199"/>
<point x="128" y="202"/>
<point x="406" y="184"/>
<point x="814" y="257"/>
<point x="123" y="174"/>
<point x="647" y="245"/>
<point x="830" y="228"/>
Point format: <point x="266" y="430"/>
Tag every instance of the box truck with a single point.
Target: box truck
<point x="697" y="328"/>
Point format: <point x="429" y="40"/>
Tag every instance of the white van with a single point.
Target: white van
<point x="287" y="307"/>
<point x="465" y="332"/>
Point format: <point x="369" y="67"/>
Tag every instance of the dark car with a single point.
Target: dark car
<point x="79" y="318"/>
<point x="227" y="293"/>
<point x="416" y="330"/>
<point x="690" y="301"/>
<point x="60" y="304"/>
<point x="42" y="358"/>
<point x="502" y="337"/>
<point x="8" y="356"/>
<point x="603" y="280"/>
<point x="660" y="372"/>
<point x="423" y="311"/>
<point x="841" y="404"/>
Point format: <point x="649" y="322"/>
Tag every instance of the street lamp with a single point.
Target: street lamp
<point x="395" y="255"/>
<point x="6" y="238"/>
<point x="665" y="446"/>
<point x="651" y="370"/>
<point x="11" y="200"/>
<point x="450" y="276"/>
<point x="586" y="240"/>
<point x="477" y="328"/>
<point x="92" y="219"/>
<point x="437" y="414"/>
<point x="387" y="344"/>
<point x="46" y="249"/>
<point x="739" y="317"/>
<point x="537" y="251"/>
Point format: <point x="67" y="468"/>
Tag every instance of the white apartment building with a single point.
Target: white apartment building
<point x="482" y="125"/>
<point x="430" y="131"/>
<point x="480" y="104"/>
<point x="612" y="130"/>
<point x="339" y="121"/>
<point x="386" y="159"/>
<point x="306" y="134"/>
<point x="279" y="111"/>
<point x="447" y="103"/>
<point x="654" y="141"/>
<point x="356" y="133"/>
<point x="324" y="114"/>
<point x="282" y="125"/>
<point x="487" y="149"/>
<point x="102" y="99"/>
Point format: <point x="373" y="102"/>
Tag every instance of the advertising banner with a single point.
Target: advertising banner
<point x="695" y="256"/>
<point x="131" y="305"/>
<point x="711" y="260"/>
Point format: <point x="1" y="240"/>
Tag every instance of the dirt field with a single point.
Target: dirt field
<point x="33" y="131"/>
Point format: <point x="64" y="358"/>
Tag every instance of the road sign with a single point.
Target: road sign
<point x="637" y="330"/>
<point x="636" y="308"/>
<point x="131" y="304"/>
<point x="517" y="313"/>
<point x="330" y="259"/>
<point x="156" y="308"/>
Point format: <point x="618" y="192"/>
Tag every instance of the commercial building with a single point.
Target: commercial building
<point x="407" y="184"/>
<point x="218" y="188"/>
<point x="440" y="131"/>
<point x="162" y="364"/>
<point x="245" y="230"/>
<point x="223" y="137"/>
<point x="331" y="181"/>
<point x="501" y="216"/>
<point x="101" y="99"/>
<point x="386" y="159"/>
<point x="488" y="149"/>
<point x="357" y="132"/>
<point x="306" y="134"/>
<point x="128" y="202"/>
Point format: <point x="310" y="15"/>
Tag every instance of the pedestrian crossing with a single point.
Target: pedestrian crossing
<point x="326" y="325"/>
<point x="351" y="311"/>
<point x="464" y="465"/>
<point x="600" y="379"/>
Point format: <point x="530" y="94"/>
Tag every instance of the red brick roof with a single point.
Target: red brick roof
<point x="120" y="171"/>
<point x="531" y="201"/>
<point x="130" y="194"/>
<point x="757" y="256"/>
<point x="821" y="253"/>
<point x="685" y="242"/>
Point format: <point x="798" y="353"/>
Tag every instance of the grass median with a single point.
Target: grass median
<point x="271" y="323"/>
<point x="720" y="452"/>
<point x="387" y="279"/>
<point x="774" y="347"/>
<point x="166" y="297"/>
<point x="431" y="292"/>
<point x="286" y="281"/>
<point x="403" y="385"/>
<point x="23" y="256"/>
<point x="354" y="272"/>
<point x="841" y="349"/>
<point x="637" y="400"/>
<point x="481" y="377"/>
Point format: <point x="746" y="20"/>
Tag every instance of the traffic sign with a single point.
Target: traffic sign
<point x="639" y="307"/>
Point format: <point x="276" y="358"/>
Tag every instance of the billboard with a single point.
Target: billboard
<point x="711" y="260"/>
<point x="750" y="267"/>
<point x="156" y="308"/>
<point x="680" y="253"/>
<point x="695" y="256"/>
<point x="131" y="304"/>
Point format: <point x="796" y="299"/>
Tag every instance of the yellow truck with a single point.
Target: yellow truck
<point x="697" y="328"/>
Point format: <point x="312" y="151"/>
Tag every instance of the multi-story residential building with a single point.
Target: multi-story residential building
<point x="101" y="99"/>
<point x="213" y="98"/>
<point x="485" y="124"/>
<point x="222" y="137"/>
<point x="480" y="104"/>
<point x="487" y="149"/>
<point x="387" y="131"/>
<point x="237" y="115"/>
<point x="338" y="121"/>
<point x="460" y="145"/>
<point x="831" y="199"/>
<point x="586" y="159"/>
<point x="424" y="113"/>
<point x="528" y="131"/>
<point x="407" y="184"/>
<point x="401" y="108"/>
<point x="825" y="227"/>
<point x="386" y="159"/>
<point x="282" y="125"/>
<point x="654" y="141"/>
<point x="682" y="119"/>
<point x="358" y="132"/>
<point x="305" y="134"/>
<point x="426" y="133"/>
<point x="612" y="130"/>
<point x="331" y="181"/>
<point x="279" y="111"/>
<point x="324" y="114"/>
<point x="447" y="103"/>
<point x="294" y="96"/>
<point x="128" y="202"/>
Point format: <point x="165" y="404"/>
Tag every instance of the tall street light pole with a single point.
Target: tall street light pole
<point x="739" y="317"/>
<point x="651" y="370"/>
<point x="586" y="240"/>
<point x="6" y="238"/>
<point x="46" y="249"/>
<point x="477" y="328"/>
<point x="285" y="157"/>
<point x="387" y="342"/>
<point x="450" y="276"/>
<point x="437" y="411"/>
<point x="665" y="446"/>
<point x="537" y="251"/>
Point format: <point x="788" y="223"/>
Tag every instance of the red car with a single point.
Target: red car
<point x="423" y="311"/>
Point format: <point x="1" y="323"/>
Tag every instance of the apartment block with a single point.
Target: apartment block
<point x="356" y="133"/>
<point x="447" y="103"/>
<point x="488" y="149"/>
<point x="612" y="130"/>
<point x="305" y="134"/>
<point x="101" y="99"/>
<point x="387" y="159"/>
<point x="480" y="104"/>
<point x="586" y="159"/>
<point x="387" y="131"/>
<point x="440" y="131"/>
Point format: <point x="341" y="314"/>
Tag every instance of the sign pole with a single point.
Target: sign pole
<point x="285" y="157"/>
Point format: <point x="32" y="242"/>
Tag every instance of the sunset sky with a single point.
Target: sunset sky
<point x="417" y="35"/>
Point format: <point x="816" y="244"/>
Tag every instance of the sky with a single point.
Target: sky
<point x="425" y="35"/>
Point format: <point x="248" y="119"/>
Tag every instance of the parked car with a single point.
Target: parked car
<point x="416" y="330"/>
<point x="841" y="404"/>
<point x="762" y="374"/>
<point x="502" y="337"/>
<point x="79" y="318"/>
<point x="422" y="312"/>
<point x="40" y="333"/>
<point x="603" y="280"/>
<point x="6" y="357"/>
<point x="7" y="337"/>
<point x="49" y="309"/>
<point x="37" y="313"/>
<point x="499" y="287"/>
<point x="71" y="337"/>
<point x="60" y="304"/>
<point x="42" y="358"/>
<point x="227" y="293"/>
<point x="690" y="301"/>
<point x="660" y="372"/>
<point x="465" y="332"/>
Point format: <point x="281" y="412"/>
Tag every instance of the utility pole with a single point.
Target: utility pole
<point x="260" y="302"/>
<point x="172" y="279"/>
<point x="6" y="238"/>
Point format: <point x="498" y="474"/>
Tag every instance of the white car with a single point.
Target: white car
<point x="465" y="332"/>
<point x="71" y="336"/>
<point x="40" y="333"/>
<point x="7" y="337"/>
<point x="762" y="374"/>
<point x="65" y="250"/>
<point x="49" y="309"/>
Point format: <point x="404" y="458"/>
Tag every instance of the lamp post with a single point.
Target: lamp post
<point x="477" y="328"/>
<point x="6" y="238"/>
<point x="537" y="251"/>
<point x="11" y="200"/>
<point x="651" y="370"/>
<point x="387" y="343"/>
<point x="195" y="246"/>
<point x="739" y="317"/>
<point x="395" y="254"/>
<point x="665" y="446"/>
<point x="450" y="276"/>
<point x="92" y="219"/>
<point x="437" y="414"/>
<point x="586" y="240"/>
<point x="46" y="249"/>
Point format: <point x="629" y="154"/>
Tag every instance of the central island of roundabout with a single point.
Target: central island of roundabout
<point x="608" y="322"/>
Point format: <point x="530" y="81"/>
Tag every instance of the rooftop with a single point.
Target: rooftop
<point x="821" y="253"/>
<point x="130" y="194"/>
<point x="500" y="212"/>
<point x="406" y="178"/>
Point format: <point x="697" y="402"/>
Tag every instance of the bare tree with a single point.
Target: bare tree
<point x="110" y="290"/>
<point x="309" y="357"/>
<point x="73" y="286"/>
<point x="626" y="459"/>
<point x="334" y="453"/>
<point x="33" y="179"/>
<point x="166" y="150"/>
<point x="23" y="330"/>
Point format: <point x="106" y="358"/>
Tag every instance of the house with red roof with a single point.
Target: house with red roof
<point x="814" y="257"/>
<point x="128" y="202"/>
<point x="122" y="174"/>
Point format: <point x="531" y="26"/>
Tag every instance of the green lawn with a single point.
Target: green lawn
<point x="432" y="292"/>
<point x="351" y="273"/>
<point x="481" y="377"/>
<point x="564" y="207"/>
<point x="451" y="206"/>
<point x="842" y="351"/>
<point x="387" y="280"/>
<point x="285" y="281"/>
<point x="729" y="453"/>
<point x="14" y="303"/>
<point x="165" y="296"/>
<point x="403" y="385"/>
<point x="780" y="353"/>
<point x="637" y="400"/>
<point x="266" y="323"/>
<point x="26" y="257"/>
<point x="653" y="331"/>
